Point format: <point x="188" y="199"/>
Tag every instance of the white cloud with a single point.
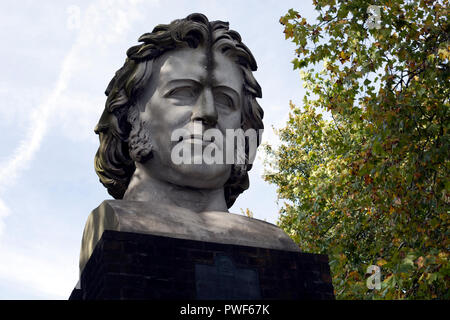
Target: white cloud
<point x="39" y="269"/>
<point x="17" y="102"/>
<point x="77" y="116"/>
<point x="104" y="23"/>
<point x="4" y="212"/>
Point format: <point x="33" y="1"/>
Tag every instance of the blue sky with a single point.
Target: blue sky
<point x="55" y="67"/>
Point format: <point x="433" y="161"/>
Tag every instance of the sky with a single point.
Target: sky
<point x="57" y="58"/>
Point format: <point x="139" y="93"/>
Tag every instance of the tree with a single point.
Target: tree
<point x="367" y="182"/>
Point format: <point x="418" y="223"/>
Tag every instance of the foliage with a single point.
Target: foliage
<point x="367" y="182"/>
<point x="247" y="212"/>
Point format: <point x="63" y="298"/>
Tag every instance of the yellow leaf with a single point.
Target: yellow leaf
<point x="442" y="255"/>
<point x="381" y="262"/>
<point x="419" y="262"/>
<point x="443" y="53"/>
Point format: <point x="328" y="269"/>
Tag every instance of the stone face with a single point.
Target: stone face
<point x="128" y="265"/>
<point x="196" y="91"/>
<point x="161" y="220"/>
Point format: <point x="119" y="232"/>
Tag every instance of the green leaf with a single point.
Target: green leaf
<point x="369" y="181"/>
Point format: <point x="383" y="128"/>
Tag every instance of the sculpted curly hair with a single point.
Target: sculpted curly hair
<point x="113" y="163"/>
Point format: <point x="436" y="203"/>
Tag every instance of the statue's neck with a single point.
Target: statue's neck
<point x="145" y="187"/>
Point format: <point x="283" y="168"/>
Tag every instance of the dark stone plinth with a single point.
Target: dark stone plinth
<point x="128" y="265"/>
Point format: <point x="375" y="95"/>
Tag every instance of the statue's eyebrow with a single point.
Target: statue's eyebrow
<point x="177" y="83"/>
<point x="187" y="81"/>
<point x="196" y="83"/>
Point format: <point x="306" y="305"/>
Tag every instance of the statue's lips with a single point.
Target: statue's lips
<point x="197" y="139"/>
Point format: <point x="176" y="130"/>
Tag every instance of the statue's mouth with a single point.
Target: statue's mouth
<point x="196" y="138"/>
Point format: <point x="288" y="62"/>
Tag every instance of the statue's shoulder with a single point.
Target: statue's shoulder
<point x="175" y="222"/>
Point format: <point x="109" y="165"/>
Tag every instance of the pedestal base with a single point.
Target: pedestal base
<point x="126" y="265"/>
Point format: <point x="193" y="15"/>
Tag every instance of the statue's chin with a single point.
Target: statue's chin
<point x="195" y="172"/>
<point x="202" y="176"/>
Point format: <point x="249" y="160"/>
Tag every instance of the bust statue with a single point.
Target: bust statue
<point x="191" y="72"/>
<point x="178" y="136"/>
<point x="187" y="86"/>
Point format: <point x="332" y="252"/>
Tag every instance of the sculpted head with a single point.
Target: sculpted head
<point x="191" y="72"/>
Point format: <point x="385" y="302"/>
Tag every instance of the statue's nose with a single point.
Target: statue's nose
<point x="205" y="110"/>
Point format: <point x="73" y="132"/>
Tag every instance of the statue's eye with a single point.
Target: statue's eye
<point x="182" y="93"/>
<point x="223" y="100"/>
